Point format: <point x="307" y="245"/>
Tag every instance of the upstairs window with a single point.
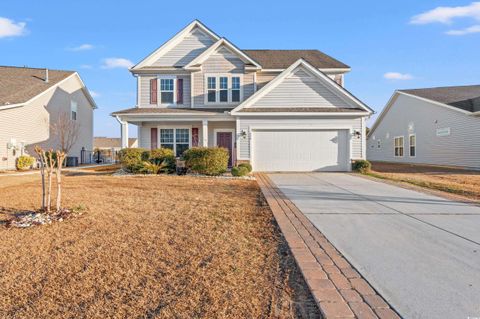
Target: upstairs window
<point x="413" y="145"/>
<point x="73" y="110"/>
<point x="212" y="89"/>
<point x="223" y="89"/>
<point x="398" y="143"/>
<point x="166" y="91"/>
<point x="235" y="89"/>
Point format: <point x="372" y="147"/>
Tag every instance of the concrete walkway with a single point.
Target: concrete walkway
<point x="421" y="252"/>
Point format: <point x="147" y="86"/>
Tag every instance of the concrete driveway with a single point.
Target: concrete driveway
<point x="421" y="252"/>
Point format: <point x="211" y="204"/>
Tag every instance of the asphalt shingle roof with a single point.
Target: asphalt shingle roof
<point x="463" y="97"/>
<point x="20" y="84"/>
<point x="282" y="59"/>
<point x="176" y="110"/>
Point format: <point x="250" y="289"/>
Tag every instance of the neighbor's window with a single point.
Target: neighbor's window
<point x="379" y="144"/>
<point x="235" y="89"/>
<point x="212" y="89"/>
<point x="223" y="95"/>
<point x="166" y="91"/>
<point x="398" y="146"/>
<point x="73" y="110"/>
<point x="413" y="145"/>
<point x="177" y="139"/>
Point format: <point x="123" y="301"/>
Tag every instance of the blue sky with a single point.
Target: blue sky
<point x="388" y="44"/>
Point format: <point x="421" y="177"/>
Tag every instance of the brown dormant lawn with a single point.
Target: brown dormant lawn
<point x="148" y="247"/>
<point x="455" y="181"/>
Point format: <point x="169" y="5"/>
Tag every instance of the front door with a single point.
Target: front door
<point x="224" y="139"/>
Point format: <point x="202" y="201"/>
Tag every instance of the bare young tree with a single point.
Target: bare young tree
<point x="60" y="158"/>
<point x="66" y="132"/>
<point x="41" y="155"/>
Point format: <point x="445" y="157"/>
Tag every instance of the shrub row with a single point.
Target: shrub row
<point x="207" y="160"/>
<point x="139" y="160"/>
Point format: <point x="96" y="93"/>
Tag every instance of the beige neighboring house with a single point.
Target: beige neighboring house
<point x="112" y="143"/>
<point x="281" y="110"/>
<point x="31" y="101"/>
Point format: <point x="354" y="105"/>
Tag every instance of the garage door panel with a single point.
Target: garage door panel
<point x="300" y="150"/>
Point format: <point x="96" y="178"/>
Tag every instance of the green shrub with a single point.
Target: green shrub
<point x="239" y="170"/>
<point x="207" y="160"/>
<point x="248" y="166"/>
<point x="362" y="166"/>
<point x="152" y="168"/>
<point x="25" y="162"/>
<point x="165" y="156"/>
<point x="131" y="158"/>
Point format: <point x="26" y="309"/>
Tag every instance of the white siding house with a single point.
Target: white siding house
<point x="281" y="110"/>
<point x="30" y="103"/>
<point x="435" y="126"/>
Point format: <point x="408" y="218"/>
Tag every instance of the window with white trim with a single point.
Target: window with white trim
<point x="379" y="143"/>
<point x="176" y="139"/>
<point x="235" y="89"/>
<point x="223" y="89"/>
<point x="412" y="142"/>
<point x="73" y="110"/>
<point x="212" y="89"/>
<point x="167" y="91"/>
<point x="398" y="144"/>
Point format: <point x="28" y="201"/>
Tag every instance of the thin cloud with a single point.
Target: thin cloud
<point x="397" y="76"/>
<point x="113" y="63"/>
<point x="469" y="30"/>
<point x="94" y="94"/>
<point x="9" y="28"/>
<point x="86" y="66"/>
<point x="446" y="15"/>
<point x="82" y="47"/>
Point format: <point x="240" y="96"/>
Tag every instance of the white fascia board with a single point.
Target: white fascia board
<point x="309" y="114"/>
<point x="348" y="97"/>
<point x="87" y="92"/>
<point x="327" y="70"/>
<point x="173" y="41"/>
<point x="382" y="114"/>
<point x="222" y="42"/>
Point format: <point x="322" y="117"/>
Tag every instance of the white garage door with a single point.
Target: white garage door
<point x="300" y="150"/>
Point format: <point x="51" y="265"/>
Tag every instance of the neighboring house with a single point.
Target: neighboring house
<point x="438" y="126"/>
<point x="281" y="110"/>
<point x="112" y="143"/>
<point x="31" y="101"/>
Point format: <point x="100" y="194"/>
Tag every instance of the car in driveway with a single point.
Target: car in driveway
<point x="420" y="252"/>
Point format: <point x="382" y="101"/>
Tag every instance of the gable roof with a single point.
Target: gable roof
<point x="282" y="59"/>
<point x="176" y="39"/>
<point x="223" y="42"/>
<point x="339" y="90"/>
<point x="110" y="142"/>
<point x="18" y="85"/>
<point x="466" y="98"/>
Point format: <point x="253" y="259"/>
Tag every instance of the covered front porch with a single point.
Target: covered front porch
<point x="180" y="133"/>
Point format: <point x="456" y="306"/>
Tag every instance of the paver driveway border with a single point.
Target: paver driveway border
<point x="339" y="290"/>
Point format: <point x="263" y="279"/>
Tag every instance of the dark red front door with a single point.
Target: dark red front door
<point x="224" y="139"/>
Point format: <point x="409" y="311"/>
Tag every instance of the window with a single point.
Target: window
<point x="223" y="89"/>
<point x="166" y="91"/>
<point x="73" y="110"/>
<point x="379" y="144"/>
<point x="212" y="89"/>
<point x="235" y="89"/>
<point x="177" y="139"/>
<point x="412" y="140"/>
<point x="398" y="146"/>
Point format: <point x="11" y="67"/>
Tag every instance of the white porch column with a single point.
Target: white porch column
<point x="205" y="133"/>
<point x="123" y="132"/>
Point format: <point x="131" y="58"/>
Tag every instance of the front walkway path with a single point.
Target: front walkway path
<point x="339" y="290"/>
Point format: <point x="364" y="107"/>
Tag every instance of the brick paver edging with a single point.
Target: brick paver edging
<point x="339" y="290"/>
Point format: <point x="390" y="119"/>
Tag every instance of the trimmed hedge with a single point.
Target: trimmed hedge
<point x="207" y="160"/>
<point x="142" y="161"/>
<point x="248" y="166"/>
<point x="163" y="155"/>
<point x="25" y="162"/>
<point x="240" y="170"/>
<point x="362" y="166"/>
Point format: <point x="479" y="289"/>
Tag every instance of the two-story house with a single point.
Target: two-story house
<point x="281" y="110"/>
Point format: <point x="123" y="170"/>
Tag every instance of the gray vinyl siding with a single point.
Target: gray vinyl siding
<point x="221" y="62"/>
<point x="31" y="123"/>
<point x="409" y="115"/>
<point x="186" y="50"/>
<point x="144" y="93"/>
<point x="264" y="77"/>
<point x="301" y="90"/>
<point x="250" y="123"/>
